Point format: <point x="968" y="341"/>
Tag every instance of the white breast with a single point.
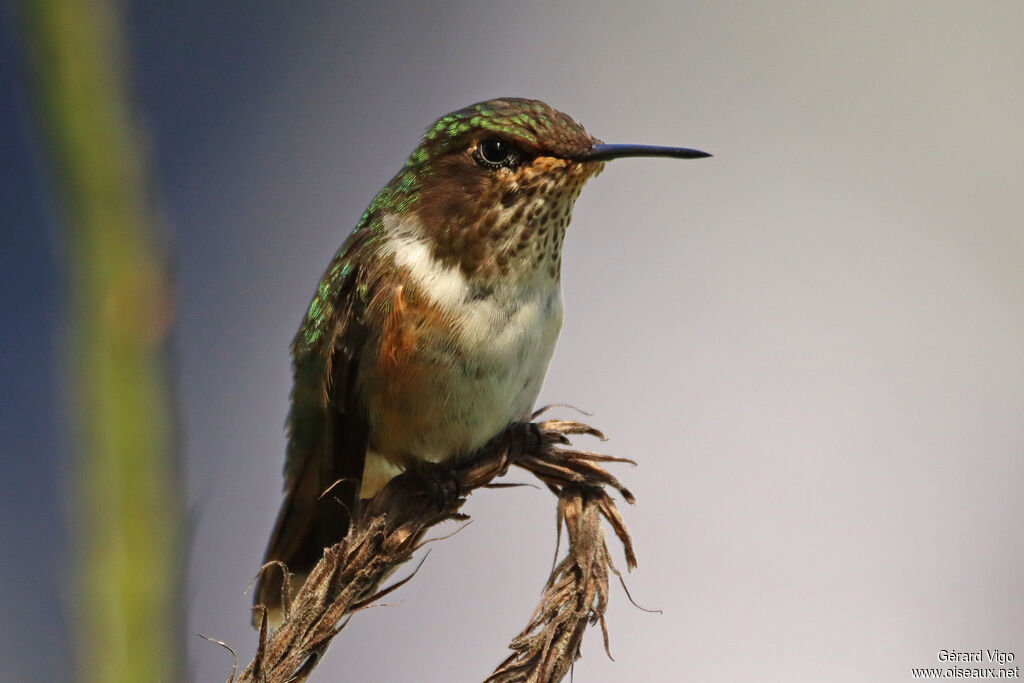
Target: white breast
<point x="506" y="339"/>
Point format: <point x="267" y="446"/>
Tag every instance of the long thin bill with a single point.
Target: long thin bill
<point x="609" y="152"/>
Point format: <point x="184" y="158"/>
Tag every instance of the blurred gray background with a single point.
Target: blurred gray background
<point x="813" y="343"/>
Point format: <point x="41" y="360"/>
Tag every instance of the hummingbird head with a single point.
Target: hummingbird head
<point x="492" y="186"/>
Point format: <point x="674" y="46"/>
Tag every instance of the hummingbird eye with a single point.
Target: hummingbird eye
<point x="496" y="153"/>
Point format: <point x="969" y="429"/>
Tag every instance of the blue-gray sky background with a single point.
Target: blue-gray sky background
<point x="813" y="343"/>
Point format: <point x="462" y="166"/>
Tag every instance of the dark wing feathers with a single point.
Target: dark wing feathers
<point x="327" y="428"/>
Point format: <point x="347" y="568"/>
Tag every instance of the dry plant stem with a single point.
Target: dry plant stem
<point x="576" y="596"/>
<point x="391" y="529"/>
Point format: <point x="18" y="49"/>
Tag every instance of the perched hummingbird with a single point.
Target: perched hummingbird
<point x="432" y="328"/>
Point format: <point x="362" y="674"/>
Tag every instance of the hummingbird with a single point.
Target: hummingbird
<point x="432" y="328"/>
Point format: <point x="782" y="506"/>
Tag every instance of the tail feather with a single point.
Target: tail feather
<point x="312" y="518"/>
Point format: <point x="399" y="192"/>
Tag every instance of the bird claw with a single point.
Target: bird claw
<point x="440" y="482"/>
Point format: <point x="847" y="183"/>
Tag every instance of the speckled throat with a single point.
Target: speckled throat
<point x="516" y="227"/>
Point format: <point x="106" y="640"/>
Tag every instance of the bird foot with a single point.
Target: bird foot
<point x="440" y="482"/>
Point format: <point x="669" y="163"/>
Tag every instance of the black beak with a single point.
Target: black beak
<point x="608" y="152"/>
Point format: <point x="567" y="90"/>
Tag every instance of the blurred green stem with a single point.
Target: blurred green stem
<point x="127" y="511"/>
